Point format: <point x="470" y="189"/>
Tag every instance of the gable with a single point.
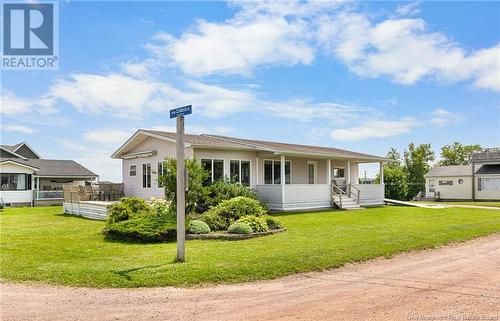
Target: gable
<point x="4" y="153"/>
<point x="27" y="152"/>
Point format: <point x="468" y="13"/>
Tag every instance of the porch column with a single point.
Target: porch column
<point x="348" y="176"/>
<point x="381" y="173"/>
<point x="257" y="171"/>
<point x="328" y="171"/>
<point x="282" y="178"/>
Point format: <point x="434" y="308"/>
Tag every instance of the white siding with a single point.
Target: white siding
<point x="370" y="194"/>
<point x="16" y="196"/>
<point x="132" y="185"/>
<point x="487" y="195"/>
<point x="456" y="191"/>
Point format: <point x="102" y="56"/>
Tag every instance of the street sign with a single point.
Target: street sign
<point x="181" y="111"/>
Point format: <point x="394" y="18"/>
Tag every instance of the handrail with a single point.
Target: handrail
<point x="333" y="187"/>
<point x="357" y="189"/>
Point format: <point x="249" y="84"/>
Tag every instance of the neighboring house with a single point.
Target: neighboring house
<point x="478" y="181"/>
<point x="27" y="179"/>
<point x="285" y="176"/>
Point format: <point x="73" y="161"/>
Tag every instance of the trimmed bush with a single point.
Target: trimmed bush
<point x="142" y="229"/>
<point x="273" y="223"/>
<point x="258" y="224"/>
<point x="231" y="210"/>
<point x="223" y="190"/>
<point x="198" y="227"/>
<point x="215" y="221"/>
<point x="239" y="228"/>
<point x="128" y="208"/>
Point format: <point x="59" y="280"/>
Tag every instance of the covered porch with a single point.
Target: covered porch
<point x="313" y="182"/>
<point x="49" y="190"/>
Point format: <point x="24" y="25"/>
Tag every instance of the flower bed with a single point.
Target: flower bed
<point x="231" y="237"/>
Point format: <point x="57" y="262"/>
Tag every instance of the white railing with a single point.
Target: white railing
<point x="48" y="195"/>
<point x="370" y="193"/>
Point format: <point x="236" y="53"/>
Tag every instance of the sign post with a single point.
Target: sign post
<point x="179" y="113"/>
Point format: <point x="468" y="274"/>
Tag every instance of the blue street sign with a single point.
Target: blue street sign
<point x="181" y="111"/>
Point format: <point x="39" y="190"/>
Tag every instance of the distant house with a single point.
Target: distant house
<point x="28" y="180"/>
<point x="478" y="181"/>
<point x="285" y="176"/>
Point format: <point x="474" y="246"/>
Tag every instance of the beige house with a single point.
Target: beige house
<point x="26" y="179"/>
<point x="285" y="176"/>
<point x="478" y="181"/>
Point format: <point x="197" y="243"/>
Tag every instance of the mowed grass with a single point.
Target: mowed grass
<point x="476" y="203"/>
<point x="41" y="244"/>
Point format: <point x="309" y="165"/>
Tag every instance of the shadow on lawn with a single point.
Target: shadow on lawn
<point x="126" y="273"/>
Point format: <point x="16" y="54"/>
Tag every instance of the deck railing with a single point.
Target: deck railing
<point x="48" y="195"/>
<point x="488" y="155"/>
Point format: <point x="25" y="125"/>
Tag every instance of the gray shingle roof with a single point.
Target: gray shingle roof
<point x="54" y="167"/>
<point x="438" y="171"/>
<point x="233" y="142"/>
<point x="489" y="169"/>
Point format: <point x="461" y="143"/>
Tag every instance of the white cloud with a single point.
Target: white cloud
<point x="406" y="51"/>
<point x="196" y="129"/>
<point x="19" y="129"/>
<point x="374" y="129"/>
<point x="12" y="105"/>
<point x="97" y="94"/>
<point x="409" y="9"/>
<point x="108" y="136"/>
<point x="441" y="117"/>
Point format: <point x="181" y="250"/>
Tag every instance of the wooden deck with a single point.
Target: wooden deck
<point x="95" y="210"/>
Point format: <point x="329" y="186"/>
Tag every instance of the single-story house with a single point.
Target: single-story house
<point x="478" y="181"/>
<point x="285" y="176"/>
<point x="29" y="180"/>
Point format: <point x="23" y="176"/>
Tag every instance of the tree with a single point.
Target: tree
<point x="196" y="176"/>
<point x="457" y="154"/>
<point x="416" y="165"/>
<point x="394" y="177"/>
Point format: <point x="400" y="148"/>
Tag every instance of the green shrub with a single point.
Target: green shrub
<point x="239" y="228"/>
<point x="223" y="190"/>
<point x="258" y="224"/>
<point x="127" y="208"/>
<point x="215" y="221"/>
<point x="198" y="227"/>
<point x="273" y="223"/>
<point x="142" y="229"/>
<point x="231" y="210"/>
<point x="162" y="207"/>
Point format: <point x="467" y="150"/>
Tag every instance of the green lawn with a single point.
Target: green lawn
<point x="477" y="203"/>
<point x="41" y="244"/>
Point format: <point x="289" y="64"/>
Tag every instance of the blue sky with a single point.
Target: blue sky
<point x="361" y="76"/>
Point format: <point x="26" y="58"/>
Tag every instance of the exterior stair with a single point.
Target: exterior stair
<point x="347" y="203"/>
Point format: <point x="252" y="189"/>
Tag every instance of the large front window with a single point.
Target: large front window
<point x="15" y="182"/>
<point x="239" y="171"/>
<point x="146" y="175"/>
<point x="215" y="169"/>
<point x="272" y="172"/>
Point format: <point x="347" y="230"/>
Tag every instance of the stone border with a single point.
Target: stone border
<point x="231" y="237"/>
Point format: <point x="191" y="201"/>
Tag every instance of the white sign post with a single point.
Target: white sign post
<point x="179" y="113"/>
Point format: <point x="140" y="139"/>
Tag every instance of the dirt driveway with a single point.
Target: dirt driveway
<point x="452" y="283"/>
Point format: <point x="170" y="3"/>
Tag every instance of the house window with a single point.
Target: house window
<point x="215" y="169"/>
<point x="338" y="172"/>
<point x="460" y="181"/>
<point x="146" y="175"/>
<point x="311" y="172"/>
<point x="160" y="173"/>
<point x="432" y="187"/>
<point x="448" y="182"/>
<point x="132" y="170"/>
<point x="490" y="184"/>
<point x="239" y="171"/>
<point x="272" y="172"/>
<point x="15" y="182"/>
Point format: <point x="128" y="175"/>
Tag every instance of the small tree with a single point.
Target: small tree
<point x="457" y="154"/>
<point x="416" y="165"/>
<point x="396" y="186"/>
<point x="196" y="176"/>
